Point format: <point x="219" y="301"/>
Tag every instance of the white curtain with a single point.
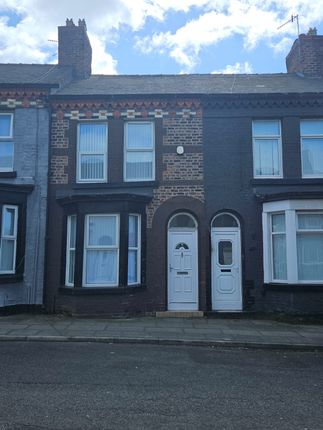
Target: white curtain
<point x="279" y="257"/>
<point x="279" y="246"/>
<point x="312" y="156"/>
<point x="266" y="157"/>
<point x="132" y="266"/>
<point x="310" y="256"/>
<point x="101" y="267"/>
<point x="102" y="231"/>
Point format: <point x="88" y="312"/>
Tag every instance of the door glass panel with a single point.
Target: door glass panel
<point x="224" y="220"/>
<point x="225" y="252"/>
<point x="181" y="245"/>
<point x="182" y="221"/>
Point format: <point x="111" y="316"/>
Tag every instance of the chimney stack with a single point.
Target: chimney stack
<point x="74" y="48"/>
<point x="306" y="54"/>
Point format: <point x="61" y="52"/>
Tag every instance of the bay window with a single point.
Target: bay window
<point x="8" y="245"/>
<point x="92" y="151"/>
<point x="103" y="250"/>
<point x="267" y="149"/>
<point x="312" y="148"/>
<point x="139" y="151"/>
<point x="293" y="241"/>
<point x="6" y="142"/>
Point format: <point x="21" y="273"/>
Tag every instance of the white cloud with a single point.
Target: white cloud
<point x="253" y="20"/>
<point x="216" y="20"/>
<point x="236" y="68"/>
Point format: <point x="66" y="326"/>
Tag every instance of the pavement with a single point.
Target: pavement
<point x="251" y="333"/>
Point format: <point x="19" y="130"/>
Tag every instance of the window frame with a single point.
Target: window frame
<point x="137" y="248"/>
<point x="309" y="136"/>
<point x="8" y="139"/>
<point x="291" y="209"/>
<point x="268" y="137"/>
<point x="14" y="237"/>
<point x="87" y="247"/>
<point x="79" y="154"/>
<point x="126" y="151"/>
<point x="274" y="233"/>
<point x="69" y="249"/>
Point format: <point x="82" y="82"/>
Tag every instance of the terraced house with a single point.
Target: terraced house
<point x="181" y="193"/>
<point x="24" y="143"/>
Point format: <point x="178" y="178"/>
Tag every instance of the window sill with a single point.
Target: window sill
<point x="286" y="181"/>
<point x="10" y="278"/>
<point x="8" y="175"/>
<point x="115" y="185"/>
<point x="85" y="291"/>
<point x="275" y="286"/>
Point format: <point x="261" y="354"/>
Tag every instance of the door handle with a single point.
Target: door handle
<point x="170" y="268"/>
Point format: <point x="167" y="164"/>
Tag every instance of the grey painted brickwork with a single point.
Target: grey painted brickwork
<point x="229" y="186"/>
<point x="31" y="134"/>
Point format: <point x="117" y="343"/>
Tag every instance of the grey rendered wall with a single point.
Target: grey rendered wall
<point x="31" y="136"/>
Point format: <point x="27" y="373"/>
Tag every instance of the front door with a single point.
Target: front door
<point x="226" y="270"/>
<point x="182" y="270"/>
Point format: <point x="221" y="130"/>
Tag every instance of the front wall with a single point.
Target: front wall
<point x="30" y="136"/>
<point x="179" y="180"/>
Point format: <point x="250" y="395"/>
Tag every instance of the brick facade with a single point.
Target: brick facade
<point x="58" y="169"/>
<point x="164" y="193"/>
<point x="306" y="55"/>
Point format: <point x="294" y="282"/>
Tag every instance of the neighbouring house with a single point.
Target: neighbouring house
<point x="24" y="143"/>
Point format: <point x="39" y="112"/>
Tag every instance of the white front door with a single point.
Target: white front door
<point x="182" y="270"/>
<point x="226" y="270"/>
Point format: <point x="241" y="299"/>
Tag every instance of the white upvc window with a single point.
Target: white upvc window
<point x="293" y="241"/>
<point x="312" y="148"/>
<point x="8" y="247"/>
<point x="134" y="252"/>
<point x="70" y="250"/>
<point x="267" y="149"/>
<point x="6" y="142"/>
<point x="92" y="152"/>
<point x="139" y="151"/>
<point x="101" y="250"/>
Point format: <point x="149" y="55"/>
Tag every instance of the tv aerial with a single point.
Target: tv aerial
<point x="292" y="19"/>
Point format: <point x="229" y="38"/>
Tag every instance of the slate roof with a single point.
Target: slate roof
<point x="21" y="74"/>
<point x="193" y="84"/>
<point x="275" y="83"/>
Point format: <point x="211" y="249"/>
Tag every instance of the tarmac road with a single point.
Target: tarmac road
<point x="110" y="386"/>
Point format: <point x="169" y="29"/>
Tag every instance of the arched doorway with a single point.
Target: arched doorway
<point x="182" y="263"/>
<point x="226" y="263"/>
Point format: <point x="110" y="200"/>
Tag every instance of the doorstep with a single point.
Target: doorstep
<point x="180" y="314"/>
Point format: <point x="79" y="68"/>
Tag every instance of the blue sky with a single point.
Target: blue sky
<point x="162" y="36"/>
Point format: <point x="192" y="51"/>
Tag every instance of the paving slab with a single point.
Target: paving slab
<point x="177" y="331"/>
